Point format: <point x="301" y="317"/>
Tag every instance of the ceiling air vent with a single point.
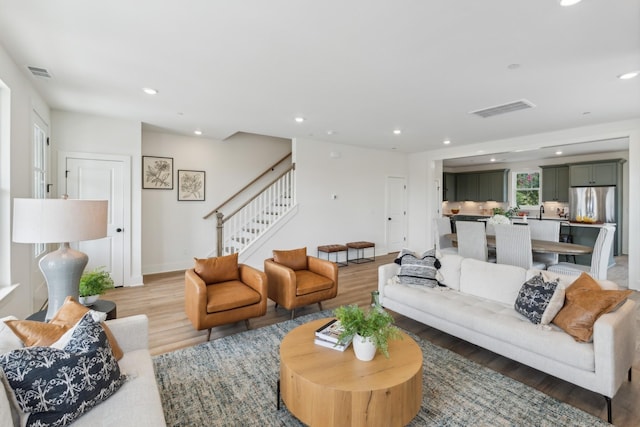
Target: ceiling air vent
<point x="39" y="72"/>
<point x="522" y="104"/>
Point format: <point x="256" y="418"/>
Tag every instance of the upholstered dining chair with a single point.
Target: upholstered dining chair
<point x="444" y="244"/>
<point x="545" y="230"/>
<point x="472" y="240"/>
<point x="296" y="279"/>
<point x="513" y="246"/>
<point x="219" y="291"/>
<point x="599" y="258"/>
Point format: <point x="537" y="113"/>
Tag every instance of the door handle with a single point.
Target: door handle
<point x="119" y="230"/>
<point x="389" y="219"/>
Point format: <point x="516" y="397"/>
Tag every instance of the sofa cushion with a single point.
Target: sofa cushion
<point x="419" y="269"/>
<point x="44" y="334"/>
<point x="585" y="302"/>
<point x="498" y="282"/>
<point x="539" y="301"/>
<point x="217" y="269"/>
<point x="55" y="386"/>
<point x="450" y="265"/>
<point x="295" y="259"/>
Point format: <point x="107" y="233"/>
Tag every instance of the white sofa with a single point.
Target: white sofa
<point x="478" y="306"/>
<point x="137" y="403"/>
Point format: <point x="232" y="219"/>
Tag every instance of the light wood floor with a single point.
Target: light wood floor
<point x="162" y="300"/>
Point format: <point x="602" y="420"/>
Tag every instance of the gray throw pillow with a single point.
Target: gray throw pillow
<point x="419" y="270"/>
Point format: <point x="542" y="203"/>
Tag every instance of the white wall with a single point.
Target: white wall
<point x="18" y="103"/>
<point x="85" y="133"/>
<point x="357" y="177"/>
<point x="174" y="232"/>
<point x="626" y="129"/>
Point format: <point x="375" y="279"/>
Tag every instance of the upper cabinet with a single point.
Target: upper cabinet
<point x="555" y="183"/>
<point x="448" y="186"/>
<point x="480" y="186"/>
<point x="593" y="174"/>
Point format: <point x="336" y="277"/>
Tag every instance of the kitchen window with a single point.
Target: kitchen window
<point x="526" y="186"/>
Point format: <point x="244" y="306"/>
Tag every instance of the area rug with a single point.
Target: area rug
<point x="231" y="381"/>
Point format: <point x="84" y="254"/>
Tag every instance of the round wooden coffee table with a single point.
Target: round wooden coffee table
<point x="326" y="387"/>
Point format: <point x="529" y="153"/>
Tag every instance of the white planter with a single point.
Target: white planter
<point x="364" y="348"/>
<point x="90" y="300"/>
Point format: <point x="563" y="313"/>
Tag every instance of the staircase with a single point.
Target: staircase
<point x="244" y="227"/>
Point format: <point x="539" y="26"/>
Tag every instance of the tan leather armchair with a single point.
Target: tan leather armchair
<point x="296" y="279"/>
<point x="220" y="291"/>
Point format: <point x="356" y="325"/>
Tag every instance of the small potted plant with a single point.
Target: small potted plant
<point x="93" y="284"/>
<point x="370" y="330"/>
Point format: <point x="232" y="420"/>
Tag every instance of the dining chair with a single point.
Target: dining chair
<point x="545" y="230"/>
<point x="444" y="244"/>
<point x="599" y="258"/>
<point x="513" y="246"/>
<point x="472" y="240"/>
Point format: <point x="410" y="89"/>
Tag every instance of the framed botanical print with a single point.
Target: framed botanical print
<point x="157" y="173"/>
<point x="190" y="185"/>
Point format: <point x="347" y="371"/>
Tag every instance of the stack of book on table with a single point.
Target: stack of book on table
<point x="328" y="335"/>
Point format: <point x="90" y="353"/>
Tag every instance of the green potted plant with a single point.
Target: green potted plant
<point x="370" y="330"/>
<point x="93" y="284"/>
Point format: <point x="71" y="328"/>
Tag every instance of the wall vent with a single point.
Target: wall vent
<point x="510" y="107"/>
<point x="39" y="72"/>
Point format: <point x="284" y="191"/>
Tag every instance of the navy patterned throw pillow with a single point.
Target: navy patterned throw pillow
<point x="418" y="270"/>
<point x="53" y="387"/>
<point x="539" y="301"/>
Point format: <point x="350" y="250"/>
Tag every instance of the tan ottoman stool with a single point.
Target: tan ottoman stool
<point x="360" y="247"/>
<point x="335" y="249"/>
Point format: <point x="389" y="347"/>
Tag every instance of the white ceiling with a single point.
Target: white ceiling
<point x="358" y="68"/>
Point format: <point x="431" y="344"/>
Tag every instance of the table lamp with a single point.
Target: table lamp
<point x="60" y="221"/>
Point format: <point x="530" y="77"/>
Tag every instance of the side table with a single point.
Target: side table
<point x="102" y="305"/>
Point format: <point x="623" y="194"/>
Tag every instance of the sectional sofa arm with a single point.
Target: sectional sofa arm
<point x="386" y="272"/>
<point x="132" y="332"/>
<point x="614" y="334"/>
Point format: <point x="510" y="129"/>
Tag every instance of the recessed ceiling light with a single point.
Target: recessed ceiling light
<point x="446" y="142"/>
<point x="299" y="119"/>
<point x="493" y="159"/>
<point x="558" y="153"/>
<point x="627" y="76"/>
<point x="149" y="91"/>
<point x="197" y="132"/>
<point x="397" y="131"/>
<point x="569" y="2"/>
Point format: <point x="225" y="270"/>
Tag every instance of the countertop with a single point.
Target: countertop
<point x="529" y="218"/>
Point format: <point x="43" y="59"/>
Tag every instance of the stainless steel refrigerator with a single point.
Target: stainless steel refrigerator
<point x="592" y="204"/>
<point x="595" y="205"/>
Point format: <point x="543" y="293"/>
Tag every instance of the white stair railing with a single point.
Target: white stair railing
<point x="246" y="224"/>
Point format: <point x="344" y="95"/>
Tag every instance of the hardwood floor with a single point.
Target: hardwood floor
<point x="162" y="300"/>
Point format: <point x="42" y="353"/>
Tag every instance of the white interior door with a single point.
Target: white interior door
<point x="396" y="213"/>
<point x="101" y="180"/>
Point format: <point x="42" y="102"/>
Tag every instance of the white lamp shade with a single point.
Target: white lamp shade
<point x="58" y="220"/>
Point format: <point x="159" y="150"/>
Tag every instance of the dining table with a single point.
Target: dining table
<point x="539" y="246"/>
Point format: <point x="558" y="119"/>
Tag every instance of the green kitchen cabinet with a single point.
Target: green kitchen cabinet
<point x="593" y="174"/>
<point x="555" y="183"/>
<point x="449" y="187"/>
<point x="467" y="186"/>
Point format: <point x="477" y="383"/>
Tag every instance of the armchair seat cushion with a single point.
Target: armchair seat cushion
<point x="309" y="282"/>
<point x="229" y="295"/>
